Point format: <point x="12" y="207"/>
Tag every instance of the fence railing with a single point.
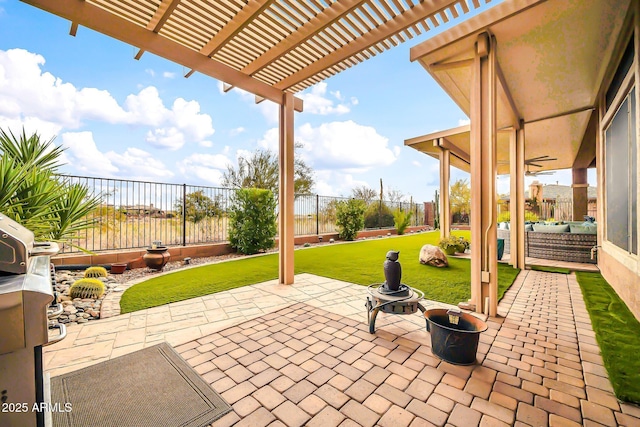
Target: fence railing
<point x="133" y="214"/>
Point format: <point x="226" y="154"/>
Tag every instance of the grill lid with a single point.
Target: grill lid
<point x="17" y="244"/>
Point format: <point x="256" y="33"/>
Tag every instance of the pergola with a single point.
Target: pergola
<point x="528" y="75"/>
<point x="271" y="48"/>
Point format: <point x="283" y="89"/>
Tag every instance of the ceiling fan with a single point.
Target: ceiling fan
<point x="534" y="162"/>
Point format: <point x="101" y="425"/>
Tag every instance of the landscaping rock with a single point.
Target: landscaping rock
<point x="433" y="255"/>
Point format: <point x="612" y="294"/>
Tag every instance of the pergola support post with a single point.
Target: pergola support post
<point x="286" y="193"/>
<point x="516" y="203"/>
<point x="445" y="206"/>
<point x="580" y="187"/>
<point x="484" y="256"/>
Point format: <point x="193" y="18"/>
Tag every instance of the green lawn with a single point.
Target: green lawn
<point x="359" y="262"/>
<point x="617" y="332"/>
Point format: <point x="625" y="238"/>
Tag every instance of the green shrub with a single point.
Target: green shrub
<point x="449" y="245"/>
<point x="94" y="272"/>
<point x="401" y="220"/>
<point x="506" y="216"/>
<point x="349" y="218"/>
<point x="377" y="216"/>
<point x="87" y="288"/>
<point x="252" y="220"/>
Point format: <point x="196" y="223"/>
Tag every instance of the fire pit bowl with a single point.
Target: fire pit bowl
<point x="453" y="343"/>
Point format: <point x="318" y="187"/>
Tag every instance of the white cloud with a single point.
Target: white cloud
<point x="345" y="146"/>
<point x="29" y="95"/>
<point x="168" y="75"/>
<point x="170" y="138"/>
<point x="150" y="72"/>
<point x="464" y="122"/>
<point x="416" y="163"/>
<point x="84" y="157"/>
<point x="333" y="183"/>
<point x="236" y="131"/>
<point x="138" y="164"/>
<point x="317" y="102"/>
<point x="206" y="144"/>
<point x="204" y="167"/>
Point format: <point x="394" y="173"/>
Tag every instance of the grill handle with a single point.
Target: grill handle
<point x="59" y="310"/>
<point x="63" y="334"/>
<point x="44" y="248"/>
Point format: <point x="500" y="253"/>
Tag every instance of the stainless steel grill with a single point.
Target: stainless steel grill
<point x="26" y="303"/>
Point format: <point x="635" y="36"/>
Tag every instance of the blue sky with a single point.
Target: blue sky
<point x="129" y="119"/>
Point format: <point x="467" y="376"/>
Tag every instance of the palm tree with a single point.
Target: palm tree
<point x="32" y="194"/>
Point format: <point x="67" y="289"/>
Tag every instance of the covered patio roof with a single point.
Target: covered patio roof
<point x="551" y="56"/>
<point x="458" y="142"/>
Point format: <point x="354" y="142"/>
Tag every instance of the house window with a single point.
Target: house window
<point x="621" y="176"/>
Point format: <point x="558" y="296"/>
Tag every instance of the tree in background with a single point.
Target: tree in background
<point x="32" y="195"/>
<point x="460" y="198"/>
<point x="260" y="170"/>
<point x="199" y="206"/>
<point x="364" y="193"/>
<point x="395" y="196"/>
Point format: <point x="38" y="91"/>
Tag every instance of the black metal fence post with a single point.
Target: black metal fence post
<point x="184" y="214"/>
<point x="317" y="214"/>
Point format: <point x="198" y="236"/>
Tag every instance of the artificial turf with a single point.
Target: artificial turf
<point x="551" y="269"/>
<point x="358" y="262"/>
<point x="617" y="332"/>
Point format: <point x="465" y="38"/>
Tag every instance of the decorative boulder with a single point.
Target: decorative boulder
<point x="433" y="255"/>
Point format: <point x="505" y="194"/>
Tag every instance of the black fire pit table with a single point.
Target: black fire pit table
<point x="392" y="296"/>
<point x="405" y="300"/>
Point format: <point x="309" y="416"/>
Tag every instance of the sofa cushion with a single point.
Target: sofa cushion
<point x="564" y="228"/>
<point x="584" y="229"/>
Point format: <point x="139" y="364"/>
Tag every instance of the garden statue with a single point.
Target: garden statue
<point x="392" y="271"/>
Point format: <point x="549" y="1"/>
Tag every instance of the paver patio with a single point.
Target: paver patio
<point x="302" y="355"/>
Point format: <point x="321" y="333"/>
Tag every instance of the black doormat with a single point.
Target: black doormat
<point x="151" y="387"/>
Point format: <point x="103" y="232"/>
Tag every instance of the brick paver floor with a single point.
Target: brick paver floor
<point x="302" y="355"/>
<point x="538" y="365"/>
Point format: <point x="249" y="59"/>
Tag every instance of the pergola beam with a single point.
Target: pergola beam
<point x="286" y="194"/>
<point x="161" y="15"/>
<point x="506" y="94"/>
<point x="401" y="22"/>
<point x="239" y="22"/>
<point x="455" y="150"/>
<point x="444" y="66"/>
<point x="102" y="21"/>
<point x="484" y="258"/>
<point x="516" y="202"/>
<point x="434" y="136"/>
<point x="445" y="175"/>
<point x="311" y="28"/>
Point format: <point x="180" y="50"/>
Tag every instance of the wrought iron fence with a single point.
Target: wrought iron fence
<point x="133" y="214"/>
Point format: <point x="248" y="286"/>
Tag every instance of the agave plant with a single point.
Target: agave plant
<point x="31" y="194"/>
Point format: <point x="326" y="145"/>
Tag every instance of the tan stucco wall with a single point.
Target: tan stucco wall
<point x="625" y="282"/>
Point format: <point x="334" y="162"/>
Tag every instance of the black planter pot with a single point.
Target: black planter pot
<point x="457" y="344"/>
